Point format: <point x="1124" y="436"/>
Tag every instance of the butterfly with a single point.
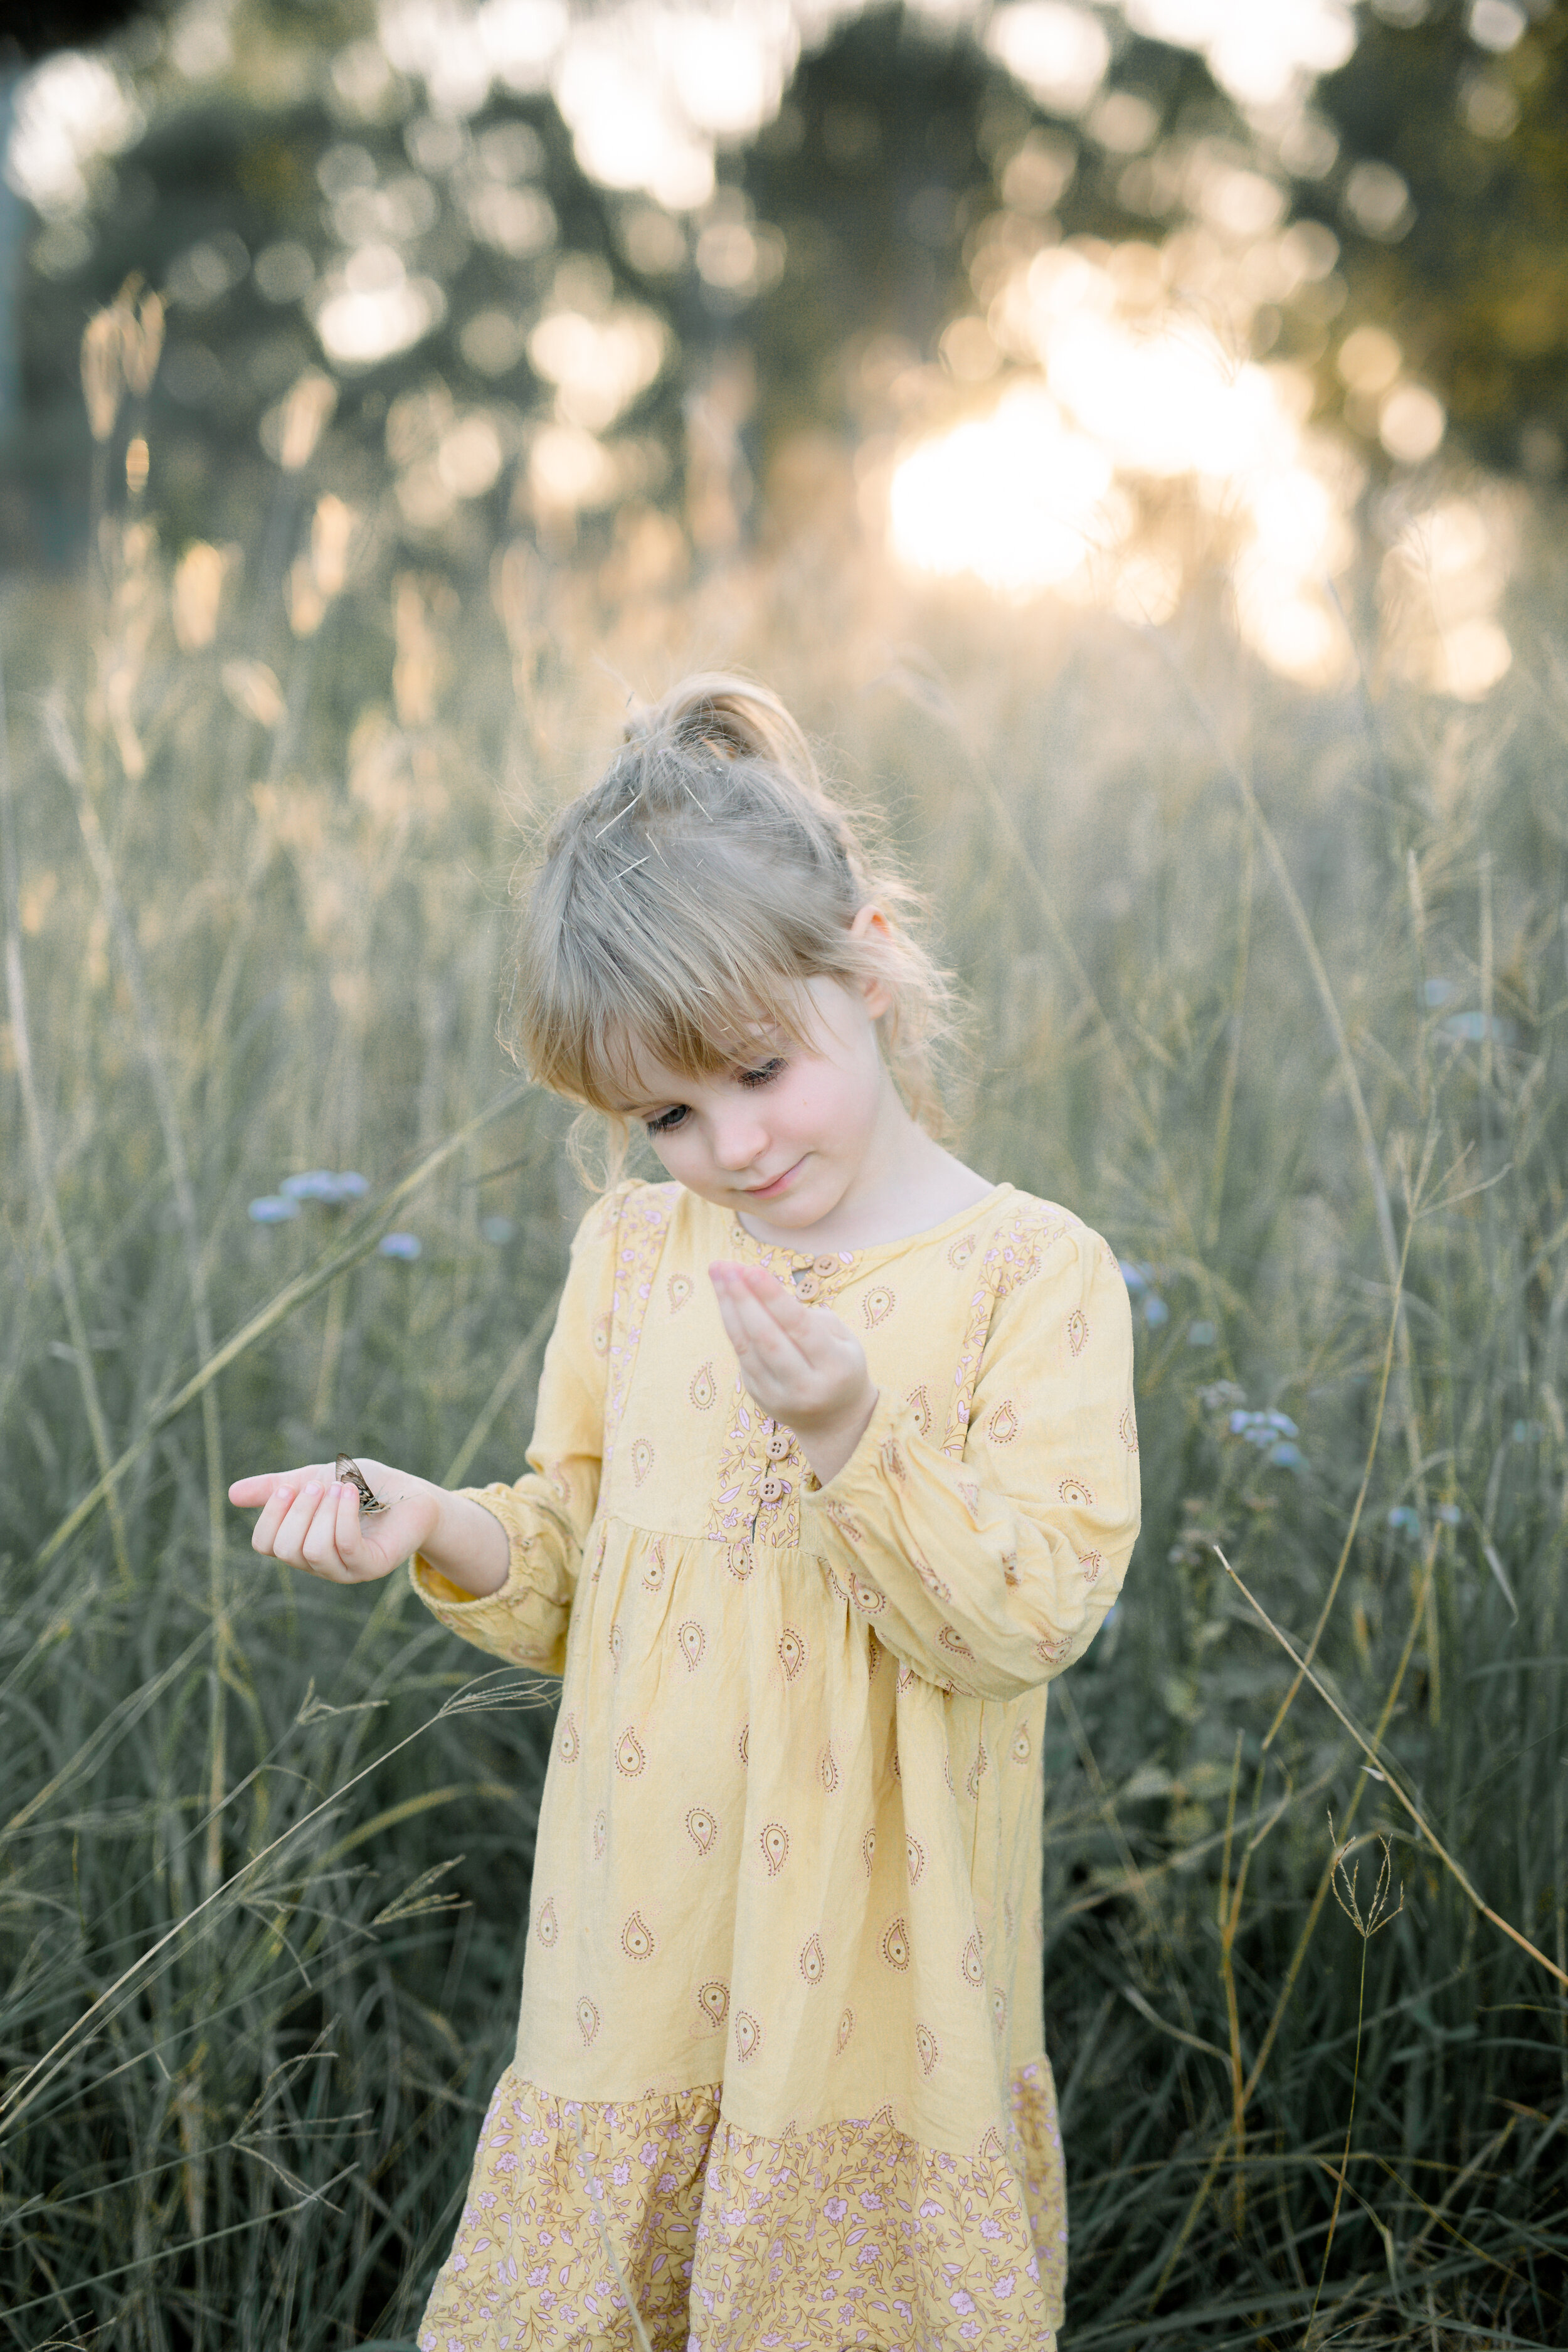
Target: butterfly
<point x="352" y="1475"/>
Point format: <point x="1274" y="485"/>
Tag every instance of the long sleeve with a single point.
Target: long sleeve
<point x="990" y="1572"/>
<point x="547" y="1515"/>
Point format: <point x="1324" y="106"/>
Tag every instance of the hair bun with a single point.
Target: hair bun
<point x="733" y="715"/>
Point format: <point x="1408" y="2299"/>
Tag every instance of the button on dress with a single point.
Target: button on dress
<point x="780" y="2068"/>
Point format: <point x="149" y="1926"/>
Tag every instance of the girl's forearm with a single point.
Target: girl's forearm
<point x="467" y="1544"/>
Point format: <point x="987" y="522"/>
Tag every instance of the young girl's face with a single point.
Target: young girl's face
<point x="787" y="1132"/>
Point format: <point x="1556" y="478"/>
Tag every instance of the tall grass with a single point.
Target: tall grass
<point x="1269" y="987"/>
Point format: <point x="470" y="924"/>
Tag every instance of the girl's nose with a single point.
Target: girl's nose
<point x="739" y="1138"/>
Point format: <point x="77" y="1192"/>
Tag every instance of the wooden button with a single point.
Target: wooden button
<point x="808" y="1286"/>
<point x="826" y="1266"/>
<point x="773" y="1488"/>
<point x="778" y="1446"/>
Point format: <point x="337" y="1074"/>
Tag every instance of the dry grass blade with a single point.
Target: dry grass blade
<point x="1382" y="1766"/>
<point x="368" y="1232"/>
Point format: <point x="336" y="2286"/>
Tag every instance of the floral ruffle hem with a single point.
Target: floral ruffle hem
<point x="852" y="2235"/>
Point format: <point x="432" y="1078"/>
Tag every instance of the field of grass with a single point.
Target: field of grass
<point x="1269" y="987"/>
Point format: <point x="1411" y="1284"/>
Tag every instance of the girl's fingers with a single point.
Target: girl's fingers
<point x="246" y="1494"/>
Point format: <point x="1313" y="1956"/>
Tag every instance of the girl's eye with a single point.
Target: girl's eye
<point x="668" y="1120"/>
<point x="765" y="1075"/>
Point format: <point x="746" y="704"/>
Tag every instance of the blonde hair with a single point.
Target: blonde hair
<point x="691" y="893"/>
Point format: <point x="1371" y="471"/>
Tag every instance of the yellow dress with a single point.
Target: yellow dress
<point x="781" y="2051"/>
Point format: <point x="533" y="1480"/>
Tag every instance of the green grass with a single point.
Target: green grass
<point x="264" y="1845"/>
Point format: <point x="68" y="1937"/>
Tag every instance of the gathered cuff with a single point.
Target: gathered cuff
<point x="524" y="1619"/>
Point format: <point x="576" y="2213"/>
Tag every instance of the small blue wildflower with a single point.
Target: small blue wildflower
<point x="1439" y="992"/>
<point x="1286" y="1456"/>
<point x="1155" y="1312"/>
<point x="1136" y="1278"/>
<point x="1201" y="1335"/>
<point x="499" y="1230"/>
<point x="273" y="1209"/>
<point x="1523" y="1432"/>
<point x="405" y="1245"/>
<point x="1282" y="1422"/>
<point x="1450" y="1514"/>
<point x="1475" y="1028"/>
<point x="1240" y="1422"/>
<point x="1405" y="1520"/>
<point x="326" y="1185"/>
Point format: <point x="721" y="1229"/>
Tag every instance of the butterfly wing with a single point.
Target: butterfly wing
<point x="351" y="1475"/>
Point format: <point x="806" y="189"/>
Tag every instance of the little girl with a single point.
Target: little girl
<point x="834" y="1469"/>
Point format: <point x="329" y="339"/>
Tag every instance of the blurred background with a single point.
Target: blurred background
<point x="1131" y="434"/>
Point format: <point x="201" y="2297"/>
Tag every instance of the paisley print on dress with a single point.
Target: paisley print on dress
<point x="1002" y="1427"/>
<point x="1076" y="1490"/>
<point x="1127" y="1429"/>
<point x="971" y="1966"/>
<point x="587" y="2020"/>
<point x="742" y="1743"/>
<point x="866" y="1597"/>
<point x="642" y="1459"/>
<point x="827" y="1769"/>
<point x="920" y="1406"/>
<point x="977" y="1771"/>
<point x="704" y="1389"/>
<point x="774" y="1842"/>
<point x="1022" y="1750"/>
<point x="637" y="1938"/>
<point x="701" y="1828"/>
<point x="614" y="1641"/>
<point x="568" y="1745"/>
<point x="791" y="1651"/>
<point x="600" y="1335"/>
<point x="713" y="2000"/>
<point x="868" y="1851"/>
<point x="915" y="1856"/>
<point x="677" y="1290"/>
<point x="547" y="1928"/>
<point x="601" y="1828"/>
<point x="896" y="1945"/>
<point x="878" y="1304"/>
<point x="844" y="1519"/>
<point x="654" y="1574"/>
<point x="846" y="2028"/>
<point x="629" y="1758"/>
<point x="998" y="2009"/>
<point x="928" y="2047"/>
<point x="1089" y="1565"/>
<point x="952" y="1639"/>
<point x="813" y="1966"/>
<point x="1078" y="1330"/>
<point x="962" y="1251"/>
<point x="747" y="2036"/>
<point x="693" y="1641"/>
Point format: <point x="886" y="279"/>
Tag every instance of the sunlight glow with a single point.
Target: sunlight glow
<point x="370" y="308"/>
<point x="1440" y="586"/>
<point x="1059" y="53"/>
<point x="1135" y="446"/>
<point x="67" y="113"/>
<point x="1261" y="51"/>
<point x="598" y="365"/>
<point x="1015" y="497"/>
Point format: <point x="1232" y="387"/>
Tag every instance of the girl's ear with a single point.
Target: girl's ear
<point x="871" y="925"/>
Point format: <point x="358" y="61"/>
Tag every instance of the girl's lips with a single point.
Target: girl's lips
<point x="763" y="1192"/>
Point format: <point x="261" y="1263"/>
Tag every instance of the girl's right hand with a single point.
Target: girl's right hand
<point x="312" y="1520"/>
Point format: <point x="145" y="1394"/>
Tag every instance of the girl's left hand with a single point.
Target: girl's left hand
<point x="800" y="1364"/>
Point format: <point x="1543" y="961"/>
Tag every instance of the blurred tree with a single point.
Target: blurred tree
<point x="1469" y="105"/>
<point x="847" y="248"/>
